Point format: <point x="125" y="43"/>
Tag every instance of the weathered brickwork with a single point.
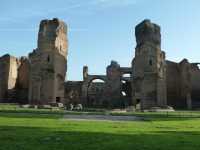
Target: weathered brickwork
<point x="149" y="67"/>
<point x="48" y="63"/>
<point x="151" y="81"/>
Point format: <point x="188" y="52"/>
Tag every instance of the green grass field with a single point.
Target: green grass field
<point x="29" y="131"/>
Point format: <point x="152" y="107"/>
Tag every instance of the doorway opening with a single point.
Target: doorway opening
<point x="138" y="105"/>
<point x="57" y="99"/>
<point x="138" y="101"/>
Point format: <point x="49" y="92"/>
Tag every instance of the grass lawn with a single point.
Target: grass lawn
<point x="20" y="131"/>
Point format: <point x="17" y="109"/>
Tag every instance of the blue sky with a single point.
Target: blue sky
<point x="101" y="30"/>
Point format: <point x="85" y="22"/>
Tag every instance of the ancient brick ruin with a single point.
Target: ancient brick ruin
<point x="149" y="68"/>
<point x="48" y="64"/>
<point x="151" y="81"/>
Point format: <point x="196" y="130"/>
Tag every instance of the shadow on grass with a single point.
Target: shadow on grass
<point x="31" y="138"/>
<point x="144" y="117"/>
<point x="163" y="116"/>
<point x="30" y="115"/>
<point x="147" y="116"/>
<point x="48" y="111"/>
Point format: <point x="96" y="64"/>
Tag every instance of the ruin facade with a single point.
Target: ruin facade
<point x="48" y="63"/>
<point x="113" y="91"/>
<point x="151" y="81"/>
<point x="149" y="68"/>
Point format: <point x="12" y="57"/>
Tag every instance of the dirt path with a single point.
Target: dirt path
<point x="103" y="117"/>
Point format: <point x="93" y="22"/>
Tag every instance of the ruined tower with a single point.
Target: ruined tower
<point x="85" y="72"/>
<point x="149" y="69"/>
<point x="48" y="63"/>
<point x="185" y="82"/>
<point x="8" y="76"/>
<point x="113" y="84"/>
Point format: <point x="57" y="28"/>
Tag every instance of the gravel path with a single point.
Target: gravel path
<point x="103" y="117"/>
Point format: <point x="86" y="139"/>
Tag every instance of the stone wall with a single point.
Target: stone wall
<point x="149" y="68"/>
<point x="23" y="81"/>
<point x="185" y="82"/>
<point x="73" y="92"/>
<point x="173" y="85"/>
<point x="113" y="85"/>
<point x="23" y="73"/>
<point x="48" y="63"/>
<point x="108" y="92"/>
<point x="96" y="95"/>
<point x="182" y="84"/>
<point x="195" y="86"/>
<point x="8" y="77"/>
<point x="152" y="81"/>
<point x="13" y="72"/>
<point x="89" y="86"/>
<point x="4" y="75"/>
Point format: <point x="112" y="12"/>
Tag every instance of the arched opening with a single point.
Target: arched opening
<point x="126" y="75"/>
<point x="137" y="101"/>
<point x="138" y="104"/>
<point x="124" y="94"/>
<point x="97" y="81"/>
<point x="198" y="65"/>
<point x="57" y="99"/>
<point x="123" y="82"/>
<point x="150" y="62"/>
<point x="48" y="58"/>
<point x="95" y="91"/>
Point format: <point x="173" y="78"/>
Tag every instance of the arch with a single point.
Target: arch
<point x="98" y="81"/>
<point x="124" y="94"/>
<point x="126" y="75"/>
<point x="94" y="91"/>
<point x="123" y="81"/>
<point x="198" y="66"/>
<point x="95" y="81"/>
<point x="86" y="83"/>
<point x="95" y="77"/>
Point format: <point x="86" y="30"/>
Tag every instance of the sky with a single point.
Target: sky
<point x="101" y="30"/>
